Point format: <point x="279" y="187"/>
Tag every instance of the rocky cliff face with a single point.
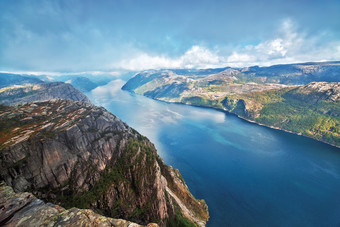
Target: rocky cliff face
<point x="75" y="154"/>
<point x="19" y="94"/>
<point x="24" y="209"/>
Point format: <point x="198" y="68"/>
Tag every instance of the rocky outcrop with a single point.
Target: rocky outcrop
<point x="19" y="94"/>
<point x="24" y="209"/>
<point x="75" y="154"/>
<point x="237" y="106"/>
<point x="318" y="91"/>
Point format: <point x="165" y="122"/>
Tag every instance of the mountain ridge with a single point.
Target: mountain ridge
<point x="255" y="97"/>
<point x="18" y="94"/>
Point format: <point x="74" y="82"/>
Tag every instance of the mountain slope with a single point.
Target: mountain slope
<point x="258" y="94"/>
<point x="75" y="154"/>
<point x="19" y="94"/>
<point x="83" y="84"/>
<point x="312" y="110"/>
<point x="24" y="209"/>
<point x="289" y="74"/>
<point x="301" y="73"/>
<point x="9" y="79"/>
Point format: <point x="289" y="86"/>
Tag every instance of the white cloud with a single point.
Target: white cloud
<point x="288" y="45"/>
<point x="195" y="57"/>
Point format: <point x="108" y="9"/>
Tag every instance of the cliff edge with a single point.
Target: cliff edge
<point x="24" y="209"/>
<point x="78" y="155"/>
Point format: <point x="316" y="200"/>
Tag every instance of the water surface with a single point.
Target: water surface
<point x="249" y="175"/>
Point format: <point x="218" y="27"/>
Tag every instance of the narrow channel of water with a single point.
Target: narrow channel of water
<point x="249" y="175"/>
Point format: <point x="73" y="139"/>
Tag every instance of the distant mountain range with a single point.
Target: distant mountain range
<point x="9" y="79"/>
<point x="19" y="94"/>
<point x="81" y="82"/>
<point x="300" y="98"/>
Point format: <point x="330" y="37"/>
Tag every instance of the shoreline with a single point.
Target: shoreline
<point x="284" y="130"/>
<point x="243" y="118"/>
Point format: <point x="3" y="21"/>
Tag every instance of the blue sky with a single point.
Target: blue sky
<point x="92" y="35"/>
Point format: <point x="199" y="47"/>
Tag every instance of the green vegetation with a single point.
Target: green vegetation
<point x="149" y="86"/>
<point x="307" y="119"/>
<point x="287" y="108"/>
<point x="8" y="124"/>
<point x="49" y="134"/>
<point x="178" y="219"/>
<point x="294" y="111"/>
<point x="200" y="101"/>
<point x="138" y="158"/>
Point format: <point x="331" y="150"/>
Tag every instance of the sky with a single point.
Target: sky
<point x="112" y="35"/>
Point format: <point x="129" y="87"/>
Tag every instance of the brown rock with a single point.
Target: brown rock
<point x="24" y="209"/>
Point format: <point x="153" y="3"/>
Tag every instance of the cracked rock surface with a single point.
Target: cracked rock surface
<point x="24" y="209"/>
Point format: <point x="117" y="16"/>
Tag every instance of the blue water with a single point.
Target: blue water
<point x="249" y="175"/>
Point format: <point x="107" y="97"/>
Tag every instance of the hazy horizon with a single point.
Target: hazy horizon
<point x="120" y="72"/>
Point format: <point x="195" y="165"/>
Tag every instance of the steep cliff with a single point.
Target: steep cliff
<point x="75" y="154"/>
<point x="19" y="94"/>
<point x="24" y="209"/>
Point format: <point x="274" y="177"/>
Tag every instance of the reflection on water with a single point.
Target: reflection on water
<point x="248" y="174"/>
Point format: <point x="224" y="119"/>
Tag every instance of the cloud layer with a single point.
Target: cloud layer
<point x="87" y="35"/>
<point x="288" y="46"/>
<point x="195" y="57"/>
